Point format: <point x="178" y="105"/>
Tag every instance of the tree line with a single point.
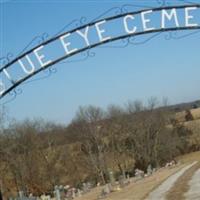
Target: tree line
<point x="36" y="155"/>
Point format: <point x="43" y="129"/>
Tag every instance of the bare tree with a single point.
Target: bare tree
<point x="89" y="124"/>
<point x="152" y="103"/>
<point x="134" y="106"/>
<point x="117" y="133"/>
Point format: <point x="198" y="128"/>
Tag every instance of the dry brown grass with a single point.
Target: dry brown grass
<point x="136" y="190"/>
<point x="195" y="113"/>
<point x="188" y="158"/>
<point x="180" y="116"/>
<point x="192" y="124"/>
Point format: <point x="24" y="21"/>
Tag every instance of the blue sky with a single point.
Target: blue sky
<point x="161" y="68"/>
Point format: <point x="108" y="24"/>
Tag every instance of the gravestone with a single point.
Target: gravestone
<point x="154" y="170"/>
<point x="57" y="193"/>
<point x="139" y="174"/>
<point x="73" y="193"/>
<point x="121" y="181"/>
<point x="22" y="196"/>
<point x="128" y="177"/>
<point x="79" y="193"/>
<point x="44" y="197"/>
<point x="111" y="178"/>
<point x="149" y="170"/>
<point x="86" y="187"/>
<point x="105" y="191"/>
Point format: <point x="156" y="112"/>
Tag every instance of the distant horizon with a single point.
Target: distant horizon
<point x="66" y="123"/>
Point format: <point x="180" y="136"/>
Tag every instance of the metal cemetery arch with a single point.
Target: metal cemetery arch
<point x="14" y="83"/>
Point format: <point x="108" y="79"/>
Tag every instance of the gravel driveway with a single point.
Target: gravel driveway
<point x="160" y="192"/>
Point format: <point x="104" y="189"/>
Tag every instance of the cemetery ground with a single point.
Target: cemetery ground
<point x="143" y="189"/>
